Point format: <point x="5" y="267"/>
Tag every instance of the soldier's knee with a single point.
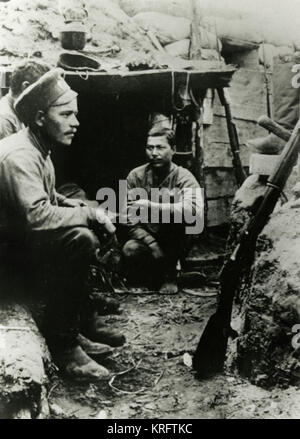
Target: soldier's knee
<point x="85" y="240"/>
<point x="132" y="249"/>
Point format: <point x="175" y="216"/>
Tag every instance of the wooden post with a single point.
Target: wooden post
<point x="195" y="53"/>
<point x="199" y="160"/>
<point x="195" y="47"/>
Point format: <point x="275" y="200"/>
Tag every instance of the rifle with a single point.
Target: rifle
<point x="210" y="354"/>
<point x="268" y="83"/>
<point x="105" y="275"/>
<point x="240" y="173"/>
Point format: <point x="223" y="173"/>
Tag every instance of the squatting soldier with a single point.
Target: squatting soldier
<point x="153" y="249"/>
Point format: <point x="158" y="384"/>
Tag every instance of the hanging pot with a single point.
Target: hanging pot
<point x="73" y="36"/>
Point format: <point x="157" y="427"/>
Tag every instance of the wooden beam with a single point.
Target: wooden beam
<point x="23" y="357"/>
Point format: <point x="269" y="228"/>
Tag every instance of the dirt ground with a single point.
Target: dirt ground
<point x="160" y="330"/>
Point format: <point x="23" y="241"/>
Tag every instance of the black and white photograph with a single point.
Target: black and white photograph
<point x="149" y="212"/>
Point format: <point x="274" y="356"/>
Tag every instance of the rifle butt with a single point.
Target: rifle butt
<point x="210" y="354"/>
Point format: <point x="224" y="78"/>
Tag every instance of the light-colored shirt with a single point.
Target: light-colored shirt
<point x="179" y="180"/>
<point x="9" y="121"/>
<point x="28" y="199"/>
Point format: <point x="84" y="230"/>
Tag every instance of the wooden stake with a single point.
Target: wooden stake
<point x="195" y="53"/>
<point x="195" y="48"/>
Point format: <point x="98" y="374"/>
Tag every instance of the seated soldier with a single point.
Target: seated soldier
<point x="153" y="247"/>
<point x="23" y="74"/>
<point x="57" y="232"/>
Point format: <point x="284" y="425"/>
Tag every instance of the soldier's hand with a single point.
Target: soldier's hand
<point x="103" y="219"/>
<point x="143" y="204"/>
<point x="72" y="202"/>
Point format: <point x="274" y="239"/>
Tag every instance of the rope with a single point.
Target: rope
<point x="86" y="77"/>
<point x="197" y="105"/>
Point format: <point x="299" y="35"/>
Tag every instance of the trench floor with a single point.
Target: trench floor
<point x="158" y="381"/>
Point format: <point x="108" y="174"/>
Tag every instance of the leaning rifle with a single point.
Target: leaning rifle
<point x="240" y="173"/>
<point x="210" y="354"/>
<point x="267" y="82"/>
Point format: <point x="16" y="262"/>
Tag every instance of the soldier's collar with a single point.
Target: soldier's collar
<point x="40" y="143"/>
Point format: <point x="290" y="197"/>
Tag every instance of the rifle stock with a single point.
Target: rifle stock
<point x="210" y="354"/>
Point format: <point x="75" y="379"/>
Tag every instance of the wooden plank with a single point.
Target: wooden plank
<point x="218" y="154"/>
<point x="147" y="81"/>
<point x="248" y="95"/>
<point x="246" y="130"/>
<point x="249" y="113"/>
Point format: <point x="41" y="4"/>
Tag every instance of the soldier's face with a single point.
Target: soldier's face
<point x="61" y="122"/>
<point x="159" y="152"/>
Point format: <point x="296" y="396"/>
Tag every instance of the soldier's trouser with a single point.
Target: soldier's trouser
<point x="140" y="264"/>
<point x="65" y="256"/>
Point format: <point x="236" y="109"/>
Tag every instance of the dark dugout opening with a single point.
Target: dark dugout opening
<point x="114" y="114"/>
<point x="112" y="134"/>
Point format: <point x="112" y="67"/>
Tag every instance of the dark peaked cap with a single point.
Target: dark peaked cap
<point x="49" y="90"/>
